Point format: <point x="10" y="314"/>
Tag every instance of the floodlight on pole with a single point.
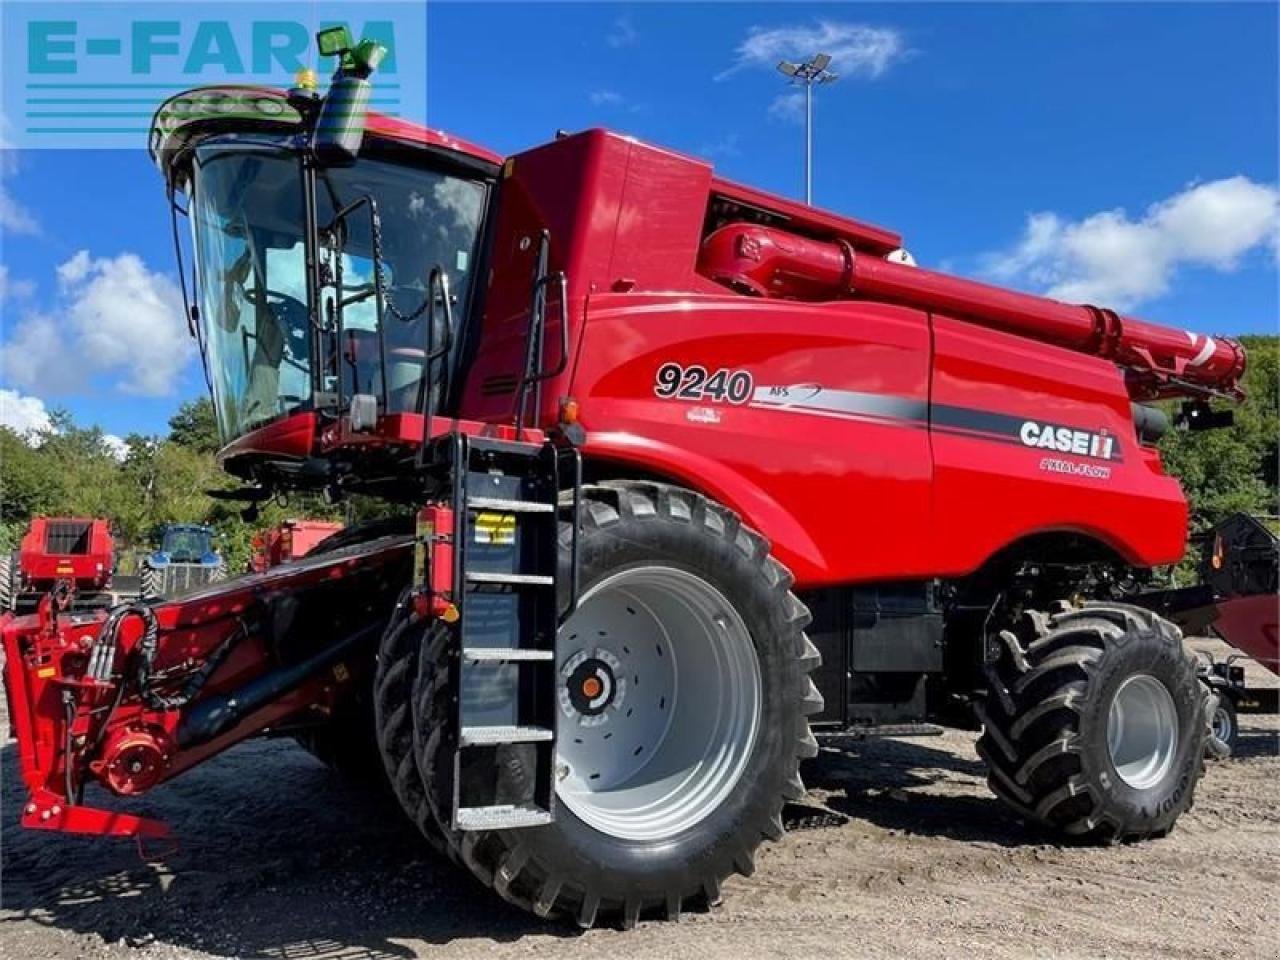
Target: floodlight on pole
<point x="814" y="70"/>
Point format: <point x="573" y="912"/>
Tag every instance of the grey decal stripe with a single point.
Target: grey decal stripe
<point x="811" y="398"/>
<point x="815" y="400"/>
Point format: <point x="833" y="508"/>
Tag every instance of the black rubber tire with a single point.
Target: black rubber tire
<point x="1045" y="722"/>
<point x="7" y="581"/>
<point x="1224" y="715"/>
<point x="568" y="868"/>
<point x="393" y="682"/>
<point x="150" y="582"/>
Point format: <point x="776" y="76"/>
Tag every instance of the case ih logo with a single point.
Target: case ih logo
<point x="1083" y="443"/>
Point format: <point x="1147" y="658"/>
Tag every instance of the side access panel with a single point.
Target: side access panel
<point x="1030" y="438"/>
<point x="879" y="644"/>
<point x="809" y="420"/>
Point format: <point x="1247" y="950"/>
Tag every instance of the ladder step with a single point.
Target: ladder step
<point x="509" y="506"/>
<point x="503" y="817"/>
<point x="488" y="736"/>
<point x="506" y="654"/>
<point x="511" y="579"/>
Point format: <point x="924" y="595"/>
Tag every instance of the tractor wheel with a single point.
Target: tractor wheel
<point x="219" y="572"/>
<point x="1096" y="727"/>
<point x="151" y="582"/>
<point x="1224" y="727"/>
<point x="673" y="783"/>
<point x="6" y="582"/>
<point x="393" y="681"/>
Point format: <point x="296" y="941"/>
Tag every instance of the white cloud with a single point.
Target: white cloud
<point x="856" y="49"/>
<point x="1113" y="260"/>
<point x="113" y="315"/>
<point x="29" y="418"/>
<point x="787" y="107"/>
<point x="115" y="446"/>
<point x="24" y="415"/>
<point x="14" y="289"/>
<point x="622" y="33"/>
<point x="14" y="218"/>
<point x="606" y="98"/>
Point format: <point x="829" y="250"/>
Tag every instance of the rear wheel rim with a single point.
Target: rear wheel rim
<point x="1142" y="731"/>
<point x="659" y="697"/>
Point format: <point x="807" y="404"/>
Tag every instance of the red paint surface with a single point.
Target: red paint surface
<point x="1252" y="625"/>
<point x="41" y="567"/>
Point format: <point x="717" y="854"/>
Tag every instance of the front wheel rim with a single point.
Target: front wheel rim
<point x="1142" y="731"/>
<point x="1222" y="724"/>
<point x="659" y="696"/>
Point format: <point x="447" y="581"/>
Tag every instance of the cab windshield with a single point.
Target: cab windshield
<point x="187" y="544"/>
<point x="267" y="352"/>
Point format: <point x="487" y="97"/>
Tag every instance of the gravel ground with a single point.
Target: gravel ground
<point x="900" y="851"/>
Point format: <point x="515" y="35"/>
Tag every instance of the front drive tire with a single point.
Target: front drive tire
<point x="1095" y="723"/>
<point x="393" y="679"/>
<point x="625" y="866"/>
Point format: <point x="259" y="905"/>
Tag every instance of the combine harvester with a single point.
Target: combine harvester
<point x="692" y="473"/>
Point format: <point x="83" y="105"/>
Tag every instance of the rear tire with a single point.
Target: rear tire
<point x="610" y="874"/>
<point x="1096" y="727"/>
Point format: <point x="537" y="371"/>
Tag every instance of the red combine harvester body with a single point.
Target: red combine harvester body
<point x="288" y="541"/>
<point x="76" y="551"/>
<point x="686" y="473"/>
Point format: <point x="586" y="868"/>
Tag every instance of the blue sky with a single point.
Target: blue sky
<point x="1124" y="154"/>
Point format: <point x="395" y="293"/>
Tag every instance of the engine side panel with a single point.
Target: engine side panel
<point x="1031" y="438"/>
<point x="874" y="442"/>
<point x="809" y="420"/>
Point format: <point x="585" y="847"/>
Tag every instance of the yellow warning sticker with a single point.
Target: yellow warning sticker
<point x="497" y="529"/>
<point x="422" y="551"/>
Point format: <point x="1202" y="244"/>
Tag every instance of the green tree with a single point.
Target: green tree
<point x="194" y="425"/>
<point x="1228" y="470"/>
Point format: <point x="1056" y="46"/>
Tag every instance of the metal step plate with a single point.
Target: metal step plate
<point x="505" y="817"/>
<point x="510" y="579"/>
<point x="487" y="736"/>
<point x="505" y="654"/>
<point x="509" y="506"/>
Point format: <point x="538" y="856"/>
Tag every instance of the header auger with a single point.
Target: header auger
<point x="686" y="474"/>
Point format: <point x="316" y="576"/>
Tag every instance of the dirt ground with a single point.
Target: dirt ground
<point x="900" y="852"/>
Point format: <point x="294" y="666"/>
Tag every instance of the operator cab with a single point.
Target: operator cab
<point x="323" y="283"/>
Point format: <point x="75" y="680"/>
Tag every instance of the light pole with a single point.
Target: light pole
<point x="814" y="70"/>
